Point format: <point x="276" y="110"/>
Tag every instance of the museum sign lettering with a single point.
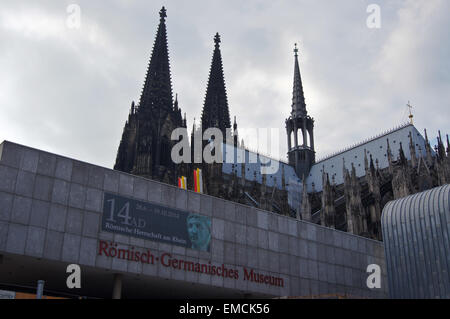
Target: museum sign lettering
<point x="111" y="249"/>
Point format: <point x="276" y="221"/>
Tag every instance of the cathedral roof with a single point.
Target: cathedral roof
<point x="253" y="163"/>
<point x="376" y="146"/>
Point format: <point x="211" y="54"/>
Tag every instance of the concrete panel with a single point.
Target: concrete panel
<point x="94" y="198"/>
<point x="77" y="196"/>
<point x="126" y="183"/>
<point x="96" y="177"/>
<point x="283" y="227"/>
<point x="140" y="189"/>
<point x="252" y="236"/>
<point x="263" y="259"/>
<point x="263" y="219"/>
<point x="91" y="224"/>
<point x="285" y="263"/>
<point x="229" y="253"/>
<point x="111" y="181"/>
<point x="252" y="219"/>
<point x="217" y="250"/>
<point x="168" y="196"/>
<point x="218" y="229"/>
<point x="39" y="213"/>
<point x="312" y="250"/>
<point x="74" y="221"/>
<point x="293" y="246"/>
<point x="57" y="217"/>
<point x="60" y="192"/>
<point x="181" y="199"/>
<point x="311" y="231"/>
<point x="283" y="243"/>
<point x="17" y="236"/>
<point x="53" y="245"/>
<point x="273" y="222"/>
<point x="273" y="241"/>
<point x="193" y="202"/>
<point x="229" y="231"/>
<point x="252" y="257"/>
<point x="88" y="251"/>
<point x="263" y="239"/>
<point x="8" y="177"/>
<point x="241" y="214"/>
<point x="313" y="270"/>
<point x="46" y="164"/>
<point x="154" y="192"/>
<point x="6" y="203"/>
<point x="21" y="210"/>
<point x="80" y="173"/>
<point x="43" y="188"/>
<point x="274" y="261"/>
<point x="29" y="161"/>
<point x="241" y="255"/>
<point x="229" y="212"/>
<point x="3" y="235"/>
<point x="25" y="183"/>
<point x="63" y="168"/>
<point x="218" y="208"/>
<point x="35" y="241"/>
<point x="11" y="154"/>
<point x="293" y="228"/>
<point x="240" y="233"/>
<point x="71" y="248"/>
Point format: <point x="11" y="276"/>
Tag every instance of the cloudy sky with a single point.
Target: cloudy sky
<point x="68" y="90"/>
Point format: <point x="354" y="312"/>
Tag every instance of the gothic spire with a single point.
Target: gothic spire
<point x="298" y="98"/>
<point x="215" y="110"/>
<point x="157" y="91"/>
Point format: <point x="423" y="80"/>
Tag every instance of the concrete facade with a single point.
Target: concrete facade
<point x="51" y="210"/>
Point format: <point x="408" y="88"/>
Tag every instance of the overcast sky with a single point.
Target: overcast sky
<point x="68" y="90"/>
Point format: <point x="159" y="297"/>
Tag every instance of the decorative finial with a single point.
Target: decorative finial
<point x="217" y="40"/>
<point x="296" y="50"/>
<point x="162" y="13"/>
<point x="410" y="113"/>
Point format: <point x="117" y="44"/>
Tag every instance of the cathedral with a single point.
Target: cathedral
<point x="346" y="191"/>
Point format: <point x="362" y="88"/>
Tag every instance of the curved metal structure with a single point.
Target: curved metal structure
<point x="416" y="235"/>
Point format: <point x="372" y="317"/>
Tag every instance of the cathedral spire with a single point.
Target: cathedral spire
<point x="215" y="110"/>
<point x="157" y="91"/>
<point x="298" y="98"/>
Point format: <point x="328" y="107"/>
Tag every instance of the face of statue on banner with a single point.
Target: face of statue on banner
<point x="199" y="231"/>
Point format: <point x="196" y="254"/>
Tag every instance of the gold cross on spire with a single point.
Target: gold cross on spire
<point x="410" y="112"/>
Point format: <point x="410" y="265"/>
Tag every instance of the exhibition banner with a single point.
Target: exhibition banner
<point x="154" y="222"/>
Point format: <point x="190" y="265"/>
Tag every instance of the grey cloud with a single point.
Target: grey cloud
<point x="69" y="91"/>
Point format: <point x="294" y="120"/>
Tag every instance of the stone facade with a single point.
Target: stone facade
<point x="51" y="211"/>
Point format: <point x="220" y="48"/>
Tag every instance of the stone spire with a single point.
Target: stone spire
<point x="215" y="110"/>
<point x="298" y="98"/>
<point x="157" y="115"/>
<point x="157" y="91"/>
<point x="412" y="151"/>
<point x="305" y="205"/>
<point x="429" y="157"/>
<point x="301" y="154"/>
